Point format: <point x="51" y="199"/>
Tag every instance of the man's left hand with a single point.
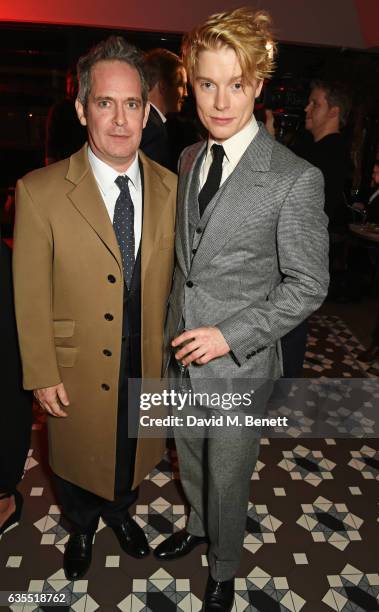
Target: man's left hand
<point x="201" y="345"/>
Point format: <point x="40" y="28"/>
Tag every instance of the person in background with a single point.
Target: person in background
<point x="251" y="264"/>
<point x="93" y="262"/>
<point x="326" y="114"/>
<point x="167" y="80"/>
<point x="64" y="134"/>
<point x="16" y="404"/>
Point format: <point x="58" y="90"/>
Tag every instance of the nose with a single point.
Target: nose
<point x="185" y="91"/>
<point x="119" y="115"/>
<point x="307" y="108"/>
<point x="221" y="99"/>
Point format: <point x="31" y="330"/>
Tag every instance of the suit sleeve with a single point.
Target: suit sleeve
<point x="302" y="251"/>
<point x="33" y="287"/>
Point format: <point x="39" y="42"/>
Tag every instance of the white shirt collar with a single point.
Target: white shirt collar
<point x="105" y="175"/>
<point x="236" y="145"/>
<point x="162" y="116"/>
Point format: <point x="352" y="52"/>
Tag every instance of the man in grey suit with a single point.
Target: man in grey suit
<point x="252" y="263"/>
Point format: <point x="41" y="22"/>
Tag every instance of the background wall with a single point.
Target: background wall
<point x="344" y="23"/>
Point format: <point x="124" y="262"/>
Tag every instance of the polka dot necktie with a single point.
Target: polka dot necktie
<point x="123" y="225"/>
<point x="213" y="181"/>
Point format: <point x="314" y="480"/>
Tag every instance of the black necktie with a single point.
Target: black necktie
<point x="212" y="183"/>
<point x="123" y="225"/>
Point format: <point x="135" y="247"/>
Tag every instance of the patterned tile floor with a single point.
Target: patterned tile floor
<point x="312" y="529"/>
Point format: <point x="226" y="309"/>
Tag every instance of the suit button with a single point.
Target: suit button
<point x="105" y="387"/>
<point x="194" y="251"/>
<point x="189" y="284"/>
<point x="199" y="230"/>
<point x="107" y="353"/>
<point x="111" y="278"/>
<point x="108" y="316"/>
<point x="248" y="356"/>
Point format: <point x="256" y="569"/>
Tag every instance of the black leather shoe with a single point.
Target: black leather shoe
<point x="177" y="545"/>
<point x="131" y="538"/>
<point x="219" y="596"/>
<point x="77" y="555"/>
<point x="15" y="516"/>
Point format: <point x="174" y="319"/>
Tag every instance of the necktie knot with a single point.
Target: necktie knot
<point x="218" y="153"/>
<point x="122" y="182"/>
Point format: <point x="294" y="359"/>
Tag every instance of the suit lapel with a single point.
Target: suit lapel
<point x="87" y="199"/>
<point x="188" y="184"/>
<point x="235" y="199"/>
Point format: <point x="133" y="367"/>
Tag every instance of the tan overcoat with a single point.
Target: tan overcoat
<point x="65" y="255"/>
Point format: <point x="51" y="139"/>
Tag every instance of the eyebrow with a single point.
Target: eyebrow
<point x="129" y="99"/>
<point x="237" y="77"/>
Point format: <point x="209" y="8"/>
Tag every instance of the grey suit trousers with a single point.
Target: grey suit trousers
<point x="215" y="471"/>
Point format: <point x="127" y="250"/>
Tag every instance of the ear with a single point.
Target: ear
<point x="80" y="112"/>
<point x="259" y="88"/>
<point x="334" y="112"/>
<point x="146" y="114"/>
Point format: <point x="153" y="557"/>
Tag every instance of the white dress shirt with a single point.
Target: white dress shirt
<point x="162" y="116"/>
<point x="234" y="148"/>
<point x="105" y="177"/>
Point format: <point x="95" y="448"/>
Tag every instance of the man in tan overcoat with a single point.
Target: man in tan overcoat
<point x="93" y="258"/>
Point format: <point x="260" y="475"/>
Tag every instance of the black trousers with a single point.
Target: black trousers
<point x="82" y="508"/>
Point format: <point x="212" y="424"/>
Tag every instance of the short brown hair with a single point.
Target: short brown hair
<point x="161" y="65"/>
<point x="114" y="48"/>
<point x="246" y="31"/>
<point x="336" y="94"/>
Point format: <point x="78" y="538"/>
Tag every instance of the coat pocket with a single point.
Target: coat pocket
<point x="66" y="356"/>
<point x="63" y="328"/>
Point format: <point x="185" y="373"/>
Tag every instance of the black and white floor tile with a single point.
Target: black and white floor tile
<point x="312" y="527"/>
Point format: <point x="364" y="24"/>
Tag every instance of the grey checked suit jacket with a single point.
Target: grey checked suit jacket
<point x="256" y="264"/>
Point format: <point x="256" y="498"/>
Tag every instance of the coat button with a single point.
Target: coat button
<point x="199" y="230"/>
<point x="105" y="387"/>
<point x="108" y="316"/>
<point x="194" y="251"/>
<point x="189" y="284"/>
<point x="107" y="353"/>
<point x="111" y="278"/>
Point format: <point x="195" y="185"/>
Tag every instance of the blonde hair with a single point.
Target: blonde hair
<point x="246" y="31"/>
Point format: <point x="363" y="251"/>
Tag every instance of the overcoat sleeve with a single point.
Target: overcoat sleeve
<point x="32" y="270"/>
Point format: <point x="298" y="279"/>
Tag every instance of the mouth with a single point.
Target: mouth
<point x="221" y="120"/>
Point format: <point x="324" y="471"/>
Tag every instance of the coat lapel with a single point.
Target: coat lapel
<point x="155" y="194"/>
<point x="87" y="199"/>
<point x="235" y="199"/>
